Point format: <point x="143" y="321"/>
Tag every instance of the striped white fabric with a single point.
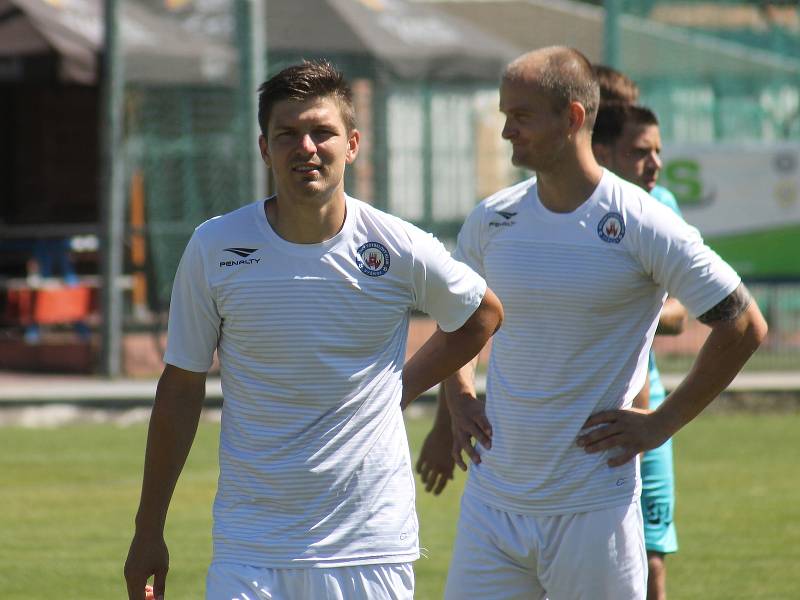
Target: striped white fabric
<point x="314" y="462"/>
<point x="582" y="292"/>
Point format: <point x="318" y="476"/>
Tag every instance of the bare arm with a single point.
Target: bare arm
<point x="469" y="423"/>
<point x="435" y="464"/>
<point x="173" y="424"/>
<point x="444" y="353"/>
<point x="737" y="329"/>
<point x="673" y="318"/>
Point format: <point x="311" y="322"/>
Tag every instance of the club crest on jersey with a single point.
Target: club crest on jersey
<point x="373" y="259"/>
<point x="611" y="228"/>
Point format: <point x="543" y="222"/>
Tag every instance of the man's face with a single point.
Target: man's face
<point x="636" y="155"/>
<point x="307" y="147"/>
<point x="536" y="130"/>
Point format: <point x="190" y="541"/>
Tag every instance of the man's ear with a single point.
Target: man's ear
<point x="262" y="146"/>
<point x="353" y="141"/>
<point x="576" y="114"/>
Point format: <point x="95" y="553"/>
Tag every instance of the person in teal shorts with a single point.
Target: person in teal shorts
<point x="627" y="141"/>
<point x="658" y="477"/>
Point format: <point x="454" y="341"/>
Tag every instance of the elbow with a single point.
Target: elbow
<point x="759" y="330"/>
<point x="496" y="308"/>
<point x="756" y="329"/>
<point x="673" y="326"/>
<point x="681" y="323"/>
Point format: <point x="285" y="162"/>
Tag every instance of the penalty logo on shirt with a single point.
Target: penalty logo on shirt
<point x="611" y="228"/>
<point x="373" y="259"/>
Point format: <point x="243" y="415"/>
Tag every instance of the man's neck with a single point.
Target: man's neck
<point x="570" y="183"/>
<point x="306" y="220"/>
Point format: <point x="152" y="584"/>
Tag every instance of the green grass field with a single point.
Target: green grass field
<point x="68" y="496"/>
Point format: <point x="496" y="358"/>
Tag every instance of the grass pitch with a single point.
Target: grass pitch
<point x="68" y="497"/>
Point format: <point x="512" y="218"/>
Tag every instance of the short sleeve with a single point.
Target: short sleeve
<point x="678" y="259"/>
<point x="194" y="323"/>
<point x="444" y="288"/>
<point x="469" y="247"/>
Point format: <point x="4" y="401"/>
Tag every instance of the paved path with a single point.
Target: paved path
<point x="32" y="389"/>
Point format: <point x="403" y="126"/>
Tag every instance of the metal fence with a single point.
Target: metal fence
<point x="431" y="145"/>
<point x="780" y="304"/>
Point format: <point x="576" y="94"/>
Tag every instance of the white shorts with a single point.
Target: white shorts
<point x="597" y="555"/>
<point x="361" y="582"/>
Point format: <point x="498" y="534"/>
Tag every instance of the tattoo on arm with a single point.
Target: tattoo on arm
<point x="730" y="308"/>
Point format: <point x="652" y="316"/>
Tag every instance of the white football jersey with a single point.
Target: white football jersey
<point x="314" y="462"/>
<point x="582" y="292"/>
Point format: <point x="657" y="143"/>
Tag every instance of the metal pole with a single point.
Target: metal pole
<point x="112" y="191"/>
<point x="611" y="53"/>
<point x="258" y="41"/>
<point x="250" y="25"/>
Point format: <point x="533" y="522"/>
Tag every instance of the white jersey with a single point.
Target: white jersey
<point x="582" y="292"/>
<point x="314" y="462"/>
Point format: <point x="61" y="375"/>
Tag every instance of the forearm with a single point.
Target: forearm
<point x="462" y="382"/>
<point x="442" y="355"/>
<point x="721" y="357"/>
<point x="173" y="424"/>
<point x="442" y="418"/>
<point x="445" y="353"/>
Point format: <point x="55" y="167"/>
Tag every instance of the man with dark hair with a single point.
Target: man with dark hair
<point x="615" y="86"/>
<point x="628" y="142"/>
<point x="306" y="298"/>
<point x="310" y="79"/>
<point x="551" y="505"/>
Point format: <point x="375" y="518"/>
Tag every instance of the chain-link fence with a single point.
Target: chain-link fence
<point x="425" y="80"/>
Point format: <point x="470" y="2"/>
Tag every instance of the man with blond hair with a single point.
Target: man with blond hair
<point x="582" y="262"/>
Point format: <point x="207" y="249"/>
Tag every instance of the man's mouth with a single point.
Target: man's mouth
<point x="306" y="168"/>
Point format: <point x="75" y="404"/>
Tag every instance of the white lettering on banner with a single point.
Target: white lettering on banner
<point x="726" y="189"/>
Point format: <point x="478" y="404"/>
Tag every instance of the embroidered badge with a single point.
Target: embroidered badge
<point x="611" y="228"/>
<point x="373" y="259"/>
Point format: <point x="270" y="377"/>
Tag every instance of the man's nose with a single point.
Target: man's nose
<point x="307" y="144"/>
<point x="655" y="160"/>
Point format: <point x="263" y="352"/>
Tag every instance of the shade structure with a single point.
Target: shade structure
<point x="406" y="40"/>
<point x="651" y="49"/>
<point x="65" y="38"/>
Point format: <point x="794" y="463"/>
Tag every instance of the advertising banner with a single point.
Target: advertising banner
<point x="745" y="199"/>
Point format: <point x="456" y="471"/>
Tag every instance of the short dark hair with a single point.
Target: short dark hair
<point x="304" y="81"/>
<point x="566" y="76"/>
<point x="612" y="118"/>
<point x="615" y="86"/>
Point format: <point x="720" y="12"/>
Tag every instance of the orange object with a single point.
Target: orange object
<point x="48" y="305"/>
<point x="61" y="305"/>
<point x="138" y="244"/>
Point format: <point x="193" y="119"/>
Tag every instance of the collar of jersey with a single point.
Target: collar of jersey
<point x="310" y="250"/>
<point x="580" y="213"/>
